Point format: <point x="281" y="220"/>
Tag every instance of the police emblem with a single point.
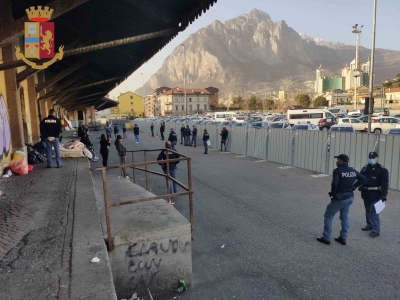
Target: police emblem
<point x="39" y="38"/>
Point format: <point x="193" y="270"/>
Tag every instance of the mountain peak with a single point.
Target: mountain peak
<point x="258" y="15"/>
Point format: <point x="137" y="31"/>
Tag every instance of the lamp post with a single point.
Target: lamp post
<point x="371" y="73"/>
<point x="357" y="31"/>
<point x="184" y="77"/>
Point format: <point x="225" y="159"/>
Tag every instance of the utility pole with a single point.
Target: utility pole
<point x="357" y="31"/>
<point x="371" y="75"/>
<point x="184" y="77"/>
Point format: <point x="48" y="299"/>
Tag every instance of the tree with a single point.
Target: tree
<point x="303" y="99"/>
<point x="252" y="105"/>
<point x="392" y="83"/>
<point x="320" y="101"/>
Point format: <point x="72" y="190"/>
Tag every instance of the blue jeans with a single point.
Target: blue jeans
<point x="205" y="147"/>
<point x="343" y="206"/>
<point x="49" y="145"/>
<point x="173" y="186"/>
<point x="182" y="138"/>
<point x="373" y="220"/>
<point x="223" y="142"/>
<point x="193" y="143"/>
<point x="137" y="138"/>
<point x="187" y="140"/>
<point x="173" y="144"/>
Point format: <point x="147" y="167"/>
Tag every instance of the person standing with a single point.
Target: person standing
<point x="80" y="129"/>
<point x="187" y="135"/>
<point x="162" y="129"/>
<point x="345" y="180"/>
<point x="124" y="131"/>
<point x="104" y="146"/>
<point x="182" y="133"/>
<point x="224" y="136"/>
<point x="121" y="153"/>
<point x="108" y="131"/>
<point x="206" y="139"/>
<point x="172" y="165"/>
<point x="136" y="133"/>
<point x="116" y="130"/>
<point x="50" y="130"/>
<point x="194" y="136"/>
<point x="152" y="129"/>
<point x="173" y="138"/>
<point x="375" y="188"/>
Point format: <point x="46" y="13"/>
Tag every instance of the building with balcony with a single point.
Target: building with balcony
<point x="129" y="105"/>
<point x="152" y="107"/>
<point x="172" y="102"/>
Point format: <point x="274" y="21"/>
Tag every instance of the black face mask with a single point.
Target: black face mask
<point x="338" y="164"/>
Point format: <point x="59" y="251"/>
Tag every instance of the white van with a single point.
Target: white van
<point x="225" y="116"/>
<point x="338" y="110"/>
<point x="294" y="116"/>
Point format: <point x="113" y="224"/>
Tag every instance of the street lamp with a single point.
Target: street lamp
<point x="371" y="73"/>
<point x="184" y="77"/>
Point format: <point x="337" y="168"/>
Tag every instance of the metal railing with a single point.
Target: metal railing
<point x="139" y="166"/>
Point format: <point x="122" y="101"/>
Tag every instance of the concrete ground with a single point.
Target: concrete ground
<point x="256" y="227"/>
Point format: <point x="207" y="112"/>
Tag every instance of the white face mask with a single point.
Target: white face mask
<point x="372" y="161"/>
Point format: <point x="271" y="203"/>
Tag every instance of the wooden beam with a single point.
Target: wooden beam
<point x="28" y="72"/>
<point x="15" y="29"/>
<point x="95" y="94"/>
<point x="61" y="75"/>
<point x="89" y="85"/>
<point x="62" y="86"/>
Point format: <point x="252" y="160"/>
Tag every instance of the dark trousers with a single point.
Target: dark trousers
<point x="162" y="134"/>
<point x="104" y="155"/>
<point x="182" y="138"/>
<point x="152" y="132"/>
<point x="372" y="217"/>
<point x="193" y="143"/>
<point x="223" y="142"/>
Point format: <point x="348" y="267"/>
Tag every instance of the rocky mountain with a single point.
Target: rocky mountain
<point x="252" y="51"/>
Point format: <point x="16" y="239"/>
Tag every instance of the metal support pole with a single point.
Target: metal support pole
<point x="371" y="73"/>
<point x="133" y="169"/>
<point x="168" y="174"/>
<point x="189" y="167"/>
<point x="145" y="167"/>
<point x="107" y="211"/>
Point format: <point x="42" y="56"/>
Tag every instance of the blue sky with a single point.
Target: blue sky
<point x="327" y="19"/>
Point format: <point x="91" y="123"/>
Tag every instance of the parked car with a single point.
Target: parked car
<point x="279" y="124"/>
<point x="396" y="116"/>
<point x="259" y="124"/>
<point x="383" y="124"/>
<point x="363" y="119"/>
<point x="304" y="126"/>
<point x="325" y="124"/>
<point x="355" y="113"/>
<point x="342" y="128"/>
<point x="380" y="111"/>
<point x="395" y="131"/>
<point x="356" y="123"/>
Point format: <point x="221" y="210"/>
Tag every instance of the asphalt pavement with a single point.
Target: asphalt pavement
<point x="256" y="227"/>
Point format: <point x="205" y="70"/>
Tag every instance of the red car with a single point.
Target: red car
<point x="325" y="124"/>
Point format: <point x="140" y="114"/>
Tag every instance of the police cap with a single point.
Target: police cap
<point x="343" y="157"/>
<point x="373" y="155"/>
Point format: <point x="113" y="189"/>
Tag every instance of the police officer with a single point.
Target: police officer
<point x="162" y="129"/>
<point x="374" y="189"/>
<point x="188" y="133"/>
<point x="182" y="133"/>
<point x="173" y="138"/>
<point x="50" y="130"/>
<point x="194" y="137"/>
<point x="345" y="181"/>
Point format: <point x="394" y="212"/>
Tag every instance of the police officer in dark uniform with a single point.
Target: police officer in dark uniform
<point x="374" y="189"/>
<point x="345" y="180"/>
<point x="173" y="138"/>
<point x="50" y="130"/>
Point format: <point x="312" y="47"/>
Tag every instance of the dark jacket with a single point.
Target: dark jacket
<point x="171" y="155"/>
<point x="86" y="141"/>
<point x="104" y="144"/>
<point x="206" y="137"/>
<point x="80" y="131"/>
<point x="136" y="130"/>
<point x="162" y="127"/>
<point x="345" y="180"/>
<point x="120" y="148"/>
<point x="194" y="131"/>
<point x="188" y="132"/>
<point x="183" y="129"/>
<point x="376" y="176"/>
<point x="224" y="134"/>
<point x="50" y="127"/>
<point x="172" y="137"/>
<point x="116" y="129"/>
<point x="151" y="126"/>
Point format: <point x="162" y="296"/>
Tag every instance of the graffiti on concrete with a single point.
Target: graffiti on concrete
<point x="5" y="135"/>
<point x="145" y="260"/>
